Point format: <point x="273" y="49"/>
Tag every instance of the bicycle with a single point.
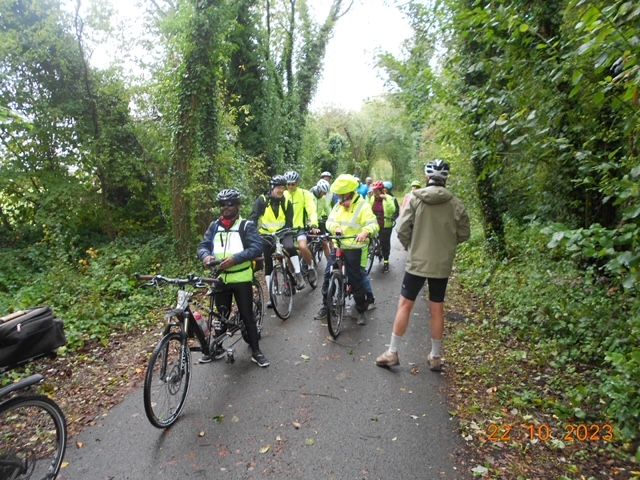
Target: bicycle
<point x="316" y="247"/>
<point x="375" y="251"/>
<point x="33" y="433"/>
<point x="340" y="289"/>
<point x="168" y="375"/>
<point x="282" y="283"/>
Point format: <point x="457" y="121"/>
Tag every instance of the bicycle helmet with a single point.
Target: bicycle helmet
<point x="278" y="181"/>
<point x="344" y="184"/>
<point x="315" y="191"/>
<point x="377" y="185"/>
<point x="323" y="186"/>
<point x="292" y="176"/>
<point x="388" y="185"/>
<point x="437" y="170"/>
<point x="229" y="195"/>
<point x="326" y="174"/>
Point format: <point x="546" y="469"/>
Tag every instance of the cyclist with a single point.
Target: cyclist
<point x="431" y="227"/>
<point x="323" y="206"/>
<point x="273" y="214"/>
<point x="236" y="242"/>
<point x="385" y="209"/>
<point x="369" y="183"/>
<point x="405" y="201"/>
<point x="326" y="175"/>
<point x="362" y="189"/>
<point x="304" y="215"/>
<point x="352" y="216"/>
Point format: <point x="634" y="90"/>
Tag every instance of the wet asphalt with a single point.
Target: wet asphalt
<point x="322" y="410"/>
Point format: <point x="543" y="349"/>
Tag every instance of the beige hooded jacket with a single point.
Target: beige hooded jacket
<point x="432" y="226"/>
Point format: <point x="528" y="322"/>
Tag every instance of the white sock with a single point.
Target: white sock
<point x="267" y="278"/>
<point x="436" y="348"/>
<point x="393" y="346"/>
<point x="296" y="264"/>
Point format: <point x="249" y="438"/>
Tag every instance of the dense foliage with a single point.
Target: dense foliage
<point x="542" y="98"/>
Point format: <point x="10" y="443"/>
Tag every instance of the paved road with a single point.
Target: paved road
<point x="356" y="420"/>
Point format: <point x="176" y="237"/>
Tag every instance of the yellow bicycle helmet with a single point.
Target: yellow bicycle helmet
<point x="344" y="184"/>
<point x="416" y="184"/>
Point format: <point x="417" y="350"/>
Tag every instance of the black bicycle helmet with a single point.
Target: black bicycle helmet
<point x="292" y="176"/>
<point x="229" y="195"/>
<point x="278" y="181"/>
<point x="437" y="170"/>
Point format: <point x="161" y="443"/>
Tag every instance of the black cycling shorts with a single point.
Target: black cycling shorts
<point x="412" y="284"/>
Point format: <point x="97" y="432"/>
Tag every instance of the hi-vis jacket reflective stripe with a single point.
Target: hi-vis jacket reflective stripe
<point x="227" y="243"/>
<point x="353" y="220"/>
<point x="389" y="207"/>
<point x="269" y="223"/>
<point x="304" y="208"/>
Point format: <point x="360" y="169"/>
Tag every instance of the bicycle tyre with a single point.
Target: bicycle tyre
<point x="335" y="304"/>
<point x="281" y="292"/>
<point x="168" y="374"/>
<point x="31" y="453"/>
<point x="258" y="306"/>
<point x="311" y="274"/>
<point x="372" y="257"/>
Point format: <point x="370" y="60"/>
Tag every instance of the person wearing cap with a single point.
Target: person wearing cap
<point x="304" y="216"/>
<point x="405" y="201"/>
<point x="236" y="242"/>
<point x="430" y="228"/>
<point x="385" y="208"/>
<point x="272" y="214"/>
<point x="351" y="217"/>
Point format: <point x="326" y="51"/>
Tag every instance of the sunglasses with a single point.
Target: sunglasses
<point x="291" y="184"/>
<point x="228" y="204"/>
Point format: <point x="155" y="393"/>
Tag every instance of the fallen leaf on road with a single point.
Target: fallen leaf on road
<point x="296" y="425"/>
<point x="79" y="444"/>
<point x="64" y="464"/>
<point x="218" y="418"/>
<point x="265" y="449"/>
<point x="415" y="371"/>
<point x="394" y="439"/>
<point x="201" y="434"/>
<point x="305" y="357"/>
<point x="235" y="419"/>
<point x="309" y="442"/>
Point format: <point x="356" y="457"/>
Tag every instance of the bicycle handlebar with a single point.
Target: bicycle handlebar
<point x="156" y="280"/>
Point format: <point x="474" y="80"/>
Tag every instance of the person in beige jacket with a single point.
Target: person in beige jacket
<point x="430" y="228"/>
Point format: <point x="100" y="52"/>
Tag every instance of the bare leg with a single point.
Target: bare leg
<point x="401" y="322"/>
<point x="305" y="252"/>
<point x="436" y="309"/>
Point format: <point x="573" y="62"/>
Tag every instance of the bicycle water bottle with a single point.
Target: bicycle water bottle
<point x="202" y="322"/>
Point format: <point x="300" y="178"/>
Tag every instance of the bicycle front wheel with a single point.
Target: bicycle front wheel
<point x="166" y="383"/>
<point x="33" y="438"/>
<point x="335" y="304"/>
<point x="281" y="292"/>
<point x="372" y="257"/>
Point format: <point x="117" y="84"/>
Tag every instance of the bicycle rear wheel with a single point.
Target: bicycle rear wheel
<point x="33" y="438"/>
<point x="372" y="257"/>
<point x="335" y="304"/>
<point x="281" y="292"/>
<point x="310" y="273"/>
<point x="166" y="383"/>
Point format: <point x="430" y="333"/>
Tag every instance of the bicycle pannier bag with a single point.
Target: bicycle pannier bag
<point x="29" y="334"/>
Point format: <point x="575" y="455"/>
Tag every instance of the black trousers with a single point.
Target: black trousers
<point x="385" y="242"/>
<point x="355" y="273"/>
<point x="243" y="294"/>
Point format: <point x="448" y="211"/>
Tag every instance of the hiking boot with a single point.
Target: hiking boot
<point x="388" y="359"/>
<point x="258" y="358"/>
<point x="385" y="267"/>
<point x="299" y="281"/>
<point x="322" y="313"/>
<point x="361" y="318"/>
<point x="435" y="363"/>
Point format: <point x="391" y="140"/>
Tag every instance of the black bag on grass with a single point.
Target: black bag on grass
<point x="29" y="334"/>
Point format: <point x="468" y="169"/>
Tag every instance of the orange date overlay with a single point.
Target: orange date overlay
<point x="569" y="433"/>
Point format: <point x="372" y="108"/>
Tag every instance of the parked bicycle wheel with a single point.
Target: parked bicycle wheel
<point x="335" y="303"/>
<point x="166" y="383"/>
<point x="258" y="305"/>
<point x="33" y="438"/>
<point x="281" y="292"/>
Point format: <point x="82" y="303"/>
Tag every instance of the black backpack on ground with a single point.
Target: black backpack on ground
<point x="29" y="334"/>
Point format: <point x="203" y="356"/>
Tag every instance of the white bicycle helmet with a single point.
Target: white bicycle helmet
<point x="437" y="170"/>
<point x="323" y="186"/>
<point x="292" y="176"/>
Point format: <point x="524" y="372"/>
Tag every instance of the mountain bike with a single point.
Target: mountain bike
<point x="316" y="247"/>
<point x="33" y="433"/>
<point x="168" y="375"/>
<point x="340" y="289"/>
<point x="282" y="283"/>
